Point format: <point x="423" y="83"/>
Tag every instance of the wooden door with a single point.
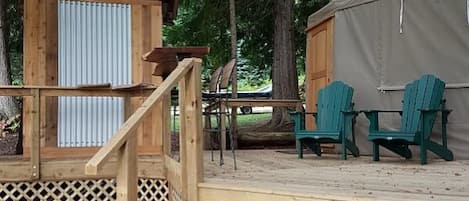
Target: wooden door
<point x="318" y="64"/>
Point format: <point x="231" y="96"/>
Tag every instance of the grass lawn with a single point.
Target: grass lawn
<point x="243" y="120"/>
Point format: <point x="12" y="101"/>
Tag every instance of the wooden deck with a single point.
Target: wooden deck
<point x="271" y="175"/>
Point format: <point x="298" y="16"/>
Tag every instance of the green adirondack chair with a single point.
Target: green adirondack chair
<point x="334" y="121"/>
<point x="423" y="99"/>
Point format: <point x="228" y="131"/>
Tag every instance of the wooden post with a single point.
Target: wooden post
<point x="182" y="136"/>
<point x="166" y="122"/>
<point x="194" y="138"/>
<point x="223" y="126"/>
<point x="34" y="134"/>
<point x="146" y="34"/>
<point x="126" y="179"/>
<point x="40" y="66"/>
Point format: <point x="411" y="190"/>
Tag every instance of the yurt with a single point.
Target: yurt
<point x="377" y="46"/>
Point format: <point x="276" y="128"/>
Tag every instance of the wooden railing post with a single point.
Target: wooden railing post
<point x="191" y="132"/>
<point x="126" y="179"/>
<point x="34" y="135"/>
<point x="166" y="130"/>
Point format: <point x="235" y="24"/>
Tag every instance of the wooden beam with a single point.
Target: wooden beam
<point x="83" y="152"/>
<point x="166" y="132"/>
<point x="130" y="2"/>
<point x="74" y="169"/>
<point x="31" y="58"/>
<point x="138" y="76"/>
<point x="34" y="135"/>
<point x="73" y="91"/>
<point x="263" y="102"/>
<point x="194" y="136"/>
<point x="126" y="179"/>
<point x="133" y="122"/>
<point x="223" y="129"/>
<point x="182" y="137"/>
<point x="50" y="74"/>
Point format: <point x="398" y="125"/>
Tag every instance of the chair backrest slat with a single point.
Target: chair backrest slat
<point x="333" y="99"/>
<point x="425" y="93"/>
<point x="226" y="74"/>
<point x="213" y="85"/>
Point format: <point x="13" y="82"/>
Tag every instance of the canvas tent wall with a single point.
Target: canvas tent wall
<point x="378" y="46"/>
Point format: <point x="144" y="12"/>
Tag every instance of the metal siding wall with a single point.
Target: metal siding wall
<point x="94" y="47"/>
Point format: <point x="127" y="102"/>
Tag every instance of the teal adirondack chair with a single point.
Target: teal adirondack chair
<point x="334" y="121"/>
<point x="422" y="101"/>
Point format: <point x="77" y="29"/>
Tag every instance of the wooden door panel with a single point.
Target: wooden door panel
<point x="318" y="64"/>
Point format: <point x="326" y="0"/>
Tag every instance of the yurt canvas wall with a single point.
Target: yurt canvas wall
<point x="380" y="45"/>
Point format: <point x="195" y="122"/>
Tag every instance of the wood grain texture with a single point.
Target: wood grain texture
<point x="74" y="169"/>
<point x="279" y="176"/>
<point x="134" y="121"/>
<point x="319" y="64"/>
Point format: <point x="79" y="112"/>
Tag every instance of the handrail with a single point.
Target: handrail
<point x="122" y="135"/>
<point x="127" y="2"/>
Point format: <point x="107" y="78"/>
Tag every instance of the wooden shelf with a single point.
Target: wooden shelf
<point x="167" y="58"/>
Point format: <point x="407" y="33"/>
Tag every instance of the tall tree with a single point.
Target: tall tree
<point x="7" y="104"/>
<point x="284" y="72"/>
<point x="234" y="77"/>
<point x="206" y="23"/>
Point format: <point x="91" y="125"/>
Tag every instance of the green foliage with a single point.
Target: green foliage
<point x="10" y="125"/>
<point x="242" y="120"/>
<point x="14" y="40"/>
<point x="206" y="23"/>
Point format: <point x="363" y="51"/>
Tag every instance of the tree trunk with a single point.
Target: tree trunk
<point x="8" y="105"/>
<point x="234" y="77"/>
<point x="284" y="73"/>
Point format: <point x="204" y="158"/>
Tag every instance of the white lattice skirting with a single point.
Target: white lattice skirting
<point x="175" y="196"/>
<point x="90" y="190"/>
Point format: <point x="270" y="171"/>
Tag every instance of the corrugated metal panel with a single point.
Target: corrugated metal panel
<point x="94" y="47"/>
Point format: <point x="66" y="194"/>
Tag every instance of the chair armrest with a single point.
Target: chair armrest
<point x="381" y="111"/>
<point x="353" y="112"/>
<point x="372" y="116"/>
<point x="447" y="111"/>
<point x="299" y="119"/>
<point x="296" y="112"/>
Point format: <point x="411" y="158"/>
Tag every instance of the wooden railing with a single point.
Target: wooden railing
<point x="184" y="175"/>
<point x="32" y="135"/>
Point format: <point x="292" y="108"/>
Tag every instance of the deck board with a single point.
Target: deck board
<point x="328" y="177"/>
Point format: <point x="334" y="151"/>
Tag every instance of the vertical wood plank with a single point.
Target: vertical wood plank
<point x="30" y="65"/>
<point x="41" y="72"/>
<point x="329" y="50"/>
<point x="126" y="179"/>
<point x="49" y="118"/>
<point x="194" y="138"/>
<point x="146" y="21"/>
<point x="34" y="135"/>
<point x="137" y="63"/>
<point x="166" y="125"/>
<point x="146" y="35"/>
<point x="40" y="65"/>
<point x="182" y="136"/>
<point x="157" y="124"/>
<point x="319" y="58"/>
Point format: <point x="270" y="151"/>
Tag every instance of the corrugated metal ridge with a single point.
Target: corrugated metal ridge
<point x="94" y="47"/>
